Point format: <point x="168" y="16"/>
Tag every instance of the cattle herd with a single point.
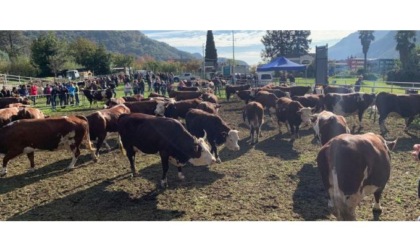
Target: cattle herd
<point x="186" y="127"/>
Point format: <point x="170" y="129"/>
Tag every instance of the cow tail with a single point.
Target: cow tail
<point x="86" y="137"/>
<point x="121" y="146"/>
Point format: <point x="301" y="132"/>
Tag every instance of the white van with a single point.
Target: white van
<point x="264" y="78"/>
<point x="72" y="74"/>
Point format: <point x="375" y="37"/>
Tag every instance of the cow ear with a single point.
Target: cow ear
<point x="224" y="134"/>
<point x="314" y="117"/>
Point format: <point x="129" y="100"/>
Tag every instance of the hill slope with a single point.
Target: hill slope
<point x="125" y="42"/>
<point x="382" y="47"/>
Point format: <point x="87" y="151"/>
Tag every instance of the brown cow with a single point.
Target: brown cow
<point x="406" y="106"/>
<point x="209" y="107"/>
<point x="253" y="115"/>
<point x="245" y="95"/>
<point x="8" y="115"/>
<point x="337" y="90"/>
<point x="199" y="123"/>
<point x="5" y="101"/>
<point x="315" y="101"/>
<point x="354" y="166"/>
<point x="293" y="113"/>
<point x="180" y="108"/>
<point x="145" y="107"/>
<point x="231" y="89"/>
<point x="103" y="121"/>
<point x="151" y="134"/>
<point x="184" y="95"/>
<point x="210" y="98"/>
<point x="294" y="90"/>
<point x="27" y="135"/>
<point x="268" y="100"/>
<point x="329" y="125"/>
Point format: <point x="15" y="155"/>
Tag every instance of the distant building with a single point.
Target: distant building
<point x="304" y="59"/>
<point x="381" y="66"/>
<point x="355" y="63"/>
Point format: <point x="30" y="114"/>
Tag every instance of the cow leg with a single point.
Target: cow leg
<point x="293" y="132"/>
<point x="377" y="209"/>
<point x="76" y="153"/>
<point x="107" y="145"/>
<point x="180" y="174"/>
<point x="131" y="155"/>
<point x="258" y="129"/>
<point x="9" y="156"/>
<point x="382" y="127"/>
<point x="164" y="158"/>
<point x="31" y="158"/>
<point x="251" y="133"/>
<point x="360" y="122"/>
<point x="214" y="150"/>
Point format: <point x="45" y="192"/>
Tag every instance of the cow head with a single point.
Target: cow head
<point x="204" y="155"/>
<point x="232" y="138"/>
<point x="160" y="108"/>
<point x="305" y="115"/>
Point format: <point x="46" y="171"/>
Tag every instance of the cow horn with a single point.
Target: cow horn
<point x="205" y="135"/>
<point x="391" y="144"/>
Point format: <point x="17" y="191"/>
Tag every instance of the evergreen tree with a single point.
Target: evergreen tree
<point x="287" y="43"/>
<point x="47" y="53"/>
<point x="406" y="43"/>
<point x="365" y="38"/>
<point x="211" y="52"/>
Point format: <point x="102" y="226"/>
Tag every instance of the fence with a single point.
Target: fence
<point x="15" y="80"/>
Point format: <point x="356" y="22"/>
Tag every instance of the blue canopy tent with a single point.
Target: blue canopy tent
<point x="281" y="63"/>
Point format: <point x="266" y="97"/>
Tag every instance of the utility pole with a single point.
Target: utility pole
<point x="204" y="63"/>
<point x="233" y="51"/>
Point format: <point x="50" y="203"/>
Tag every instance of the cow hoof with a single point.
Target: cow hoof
<point x="218" y="161"/>
<point x="135" y="175"/>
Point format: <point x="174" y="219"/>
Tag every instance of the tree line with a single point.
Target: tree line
<point x="47" y="55"/>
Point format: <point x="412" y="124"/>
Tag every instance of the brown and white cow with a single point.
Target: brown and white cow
<point x="151" y="134"/>
<point x="406" y="106"/>
<point x="292" y="113"/>
<point x="93" y="96"/>
<point x="354" y="166"/>
<point x="294" y="90"/>
<point x="210" y="98"/>
<point x="103" y="121"/>
<point x="199" y="123"/>
<point x="27" y="135"/>
<point x="253" y="115"/>
<point x="328" y="125"/>
<point x="354" y="104"/>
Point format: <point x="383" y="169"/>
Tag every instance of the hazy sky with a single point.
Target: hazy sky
<point x="248" y="44"/>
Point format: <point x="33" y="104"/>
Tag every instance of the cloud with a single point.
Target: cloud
<point x="248" y="43"/>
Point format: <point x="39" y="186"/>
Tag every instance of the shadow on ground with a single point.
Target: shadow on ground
<point x="310" y="198"/>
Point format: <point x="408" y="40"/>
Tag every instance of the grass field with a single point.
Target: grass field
<point x="271" y="181"/>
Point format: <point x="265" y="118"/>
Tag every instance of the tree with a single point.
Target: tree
<point x="101" y="61"/>
<point x="406" y="43"/>
<point x="83" y="51"/>
<point x="211" y="52"/>
<point x="365" y="38"/>
<point x="46" y="51"/>
<point x="287" y="43"/>
<point x="122" y="60"/>
<point x="12" y="42"/>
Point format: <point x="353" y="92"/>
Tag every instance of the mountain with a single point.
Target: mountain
<point x="382" y="47"/>
<point x="125" y="42"/>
